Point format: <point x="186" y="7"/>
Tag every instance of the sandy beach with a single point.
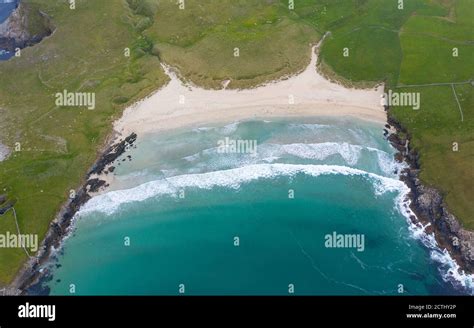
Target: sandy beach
<point x="308" y="93"/>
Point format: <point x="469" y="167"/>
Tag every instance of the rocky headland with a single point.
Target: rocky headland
<point x="428" y="203"/>
<point x="26" y="26"/>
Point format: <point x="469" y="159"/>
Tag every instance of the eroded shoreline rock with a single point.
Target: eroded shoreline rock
<point x="429" y="206"/>
<point x="26" y="26"/>
<point x="33" y="273"/>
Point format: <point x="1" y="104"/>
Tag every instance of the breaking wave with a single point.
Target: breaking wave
<point x="110" y="202"/>
<point x="270" y="153"/>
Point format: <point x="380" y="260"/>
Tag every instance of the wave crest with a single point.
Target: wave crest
<point x="110" y="202"/>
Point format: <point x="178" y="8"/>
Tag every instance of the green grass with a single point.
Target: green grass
<point x="434" y="128"/>
<point x="378" y="49"/>
<point x="85" y="54"/>
<point x="429" y="59"/>
<point x="427" y="44"/>
<point x="372" y="38"/>
<point x="414" y="46"/>
<point x="201" y="39"/>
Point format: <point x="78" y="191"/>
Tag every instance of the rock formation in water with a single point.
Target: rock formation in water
<point x="26" y="26"/>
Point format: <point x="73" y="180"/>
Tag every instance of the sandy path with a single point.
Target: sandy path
<point x="306" y="94"/>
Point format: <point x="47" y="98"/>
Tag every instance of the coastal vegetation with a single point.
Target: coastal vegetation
<point x="53" y="147"/>
<point x="418" y="46"/>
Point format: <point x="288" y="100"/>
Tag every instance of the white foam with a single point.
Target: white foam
<point x="387" y="163"/>
<point x="308" y="126"/>
<point x="449" y="269"/>
<point x="225" y="130"/>
<point x="229" y="128"/>
<point x="110" y="202"/>
<point x="204" y="129"/>
<point x="350" y="153"/>
<point x="233" y="178"/>
<point x="320" y="151"/>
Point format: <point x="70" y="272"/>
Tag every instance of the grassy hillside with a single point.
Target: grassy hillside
<point x="86" y="54"/>
<point x="58" y="144"/>
<point x="428" y="43"/>
<point x="415" y="46"/>
<point x="200" y="40"/>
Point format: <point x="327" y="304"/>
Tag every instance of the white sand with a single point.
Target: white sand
<point x="312" y="94"/>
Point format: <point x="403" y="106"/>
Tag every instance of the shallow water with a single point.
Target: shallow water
<point x="183" y="217"/>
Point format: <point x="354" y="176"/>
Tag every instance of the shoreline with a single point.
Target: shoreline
<point x="409" y="201"/>
<point x="428" y="205"/>
<point x="307" y="93"/>
<point x="97" y="179"/>
<point x="14" y="31"/>
<point x="32" y="271"/>
<point x="331" y="100"/>
<point x="200" y="106"/>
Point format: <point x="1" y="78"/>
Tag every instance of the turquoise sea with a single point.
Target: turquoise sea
<point x="185" y="217"/>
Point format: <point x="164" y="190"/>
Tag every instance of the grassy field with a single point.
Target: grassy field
<point x="200" y="40"/>
<point x="86" y="54"/>
<point x="428" y="43"/>
<point x="58" y="144"/>
<point x="415" y="46"/>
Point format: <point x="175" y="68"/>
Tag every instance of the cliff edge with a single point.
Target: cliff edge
<point x="26" y="26"/>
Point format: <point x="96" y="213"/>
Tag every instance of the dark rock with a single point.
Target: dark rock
<point x="112" y="153"/>
<point x="31" y="277"/>
<point x="93" y="185"/>
<point x="25" y="27"/>
<point x="428" y="204"/>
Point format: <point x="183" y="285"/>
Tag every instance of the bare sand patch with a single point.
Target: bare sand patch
<point x="179" y="105"/>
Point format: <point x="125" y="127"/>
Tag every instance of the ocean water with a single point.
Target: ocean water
<point x="184" y="217"/>
<point x="6" y="8"/>
<point x="4" y="54"/>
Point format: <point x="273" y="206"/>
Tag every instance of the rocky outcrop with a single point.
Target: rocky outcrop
<point x="112" y="153"/>
<point x="60" y="227"/>
<point x="25" y="27"/>
<point x="429" y="206"/>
